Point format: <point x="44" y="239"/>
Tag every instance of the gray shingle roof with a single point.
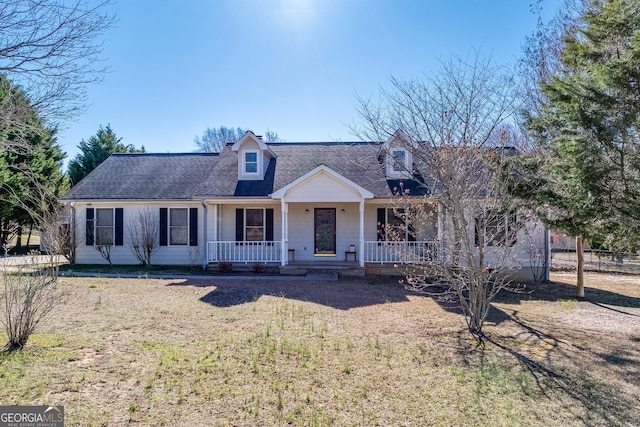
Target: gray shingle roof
<point x="167" y="176"/>
<point x="355" y="161"/>
<point x="204" y="175"/>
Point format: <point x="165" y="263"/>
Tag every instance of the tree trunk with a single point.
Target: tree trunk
<point x="19" y="238"/>
<point x="580" y="267"/>
<point x="29" y="236"/>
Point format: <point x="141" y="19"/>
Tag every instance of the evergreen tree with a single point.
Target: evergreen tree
<point x="31" y="176"/>
<point x="585" y="177"/>
<point x="95" y="151"/>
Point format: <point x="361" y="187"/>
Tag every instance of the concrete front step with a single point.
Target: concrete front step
<point x="326" y="268"/>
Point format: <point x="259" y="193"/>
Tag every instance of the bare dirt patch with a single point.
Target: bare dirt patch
<point x="352" y="352"/>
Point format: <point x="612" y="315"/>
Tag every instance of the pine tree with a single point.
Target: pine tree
<point x="585" y="178"/>
<point x="95" y="151"/>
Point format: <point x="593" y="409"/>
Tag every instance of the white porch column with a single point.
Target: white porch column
<point x="215" y="222"/>
<point x="442" y="225"/>
<point x="362" y="233"/>
<point x="215" y="231"/>
<point x="284" y="254"/>
<point x="205" y="258"/>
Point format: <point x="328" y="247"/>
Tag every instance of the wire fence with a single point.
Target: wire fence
<point x="595" y="260"/>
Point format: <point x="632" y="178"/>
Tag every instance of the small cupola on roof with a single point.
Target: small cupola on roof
<point x="254" y="156"/>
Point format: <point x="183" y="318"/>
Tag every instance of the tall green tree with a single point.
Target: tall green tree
<point x="585" y="176"/>
<point x="31" y="176"/>
<point x="95" y="151"/>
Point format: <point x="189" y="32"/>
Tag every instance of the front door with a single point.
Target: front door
<point x="325" y="231"/>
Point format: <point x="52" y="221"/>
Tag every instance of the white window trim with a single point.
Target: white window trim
<point x="169" y="209"/>
<point x="95" y="226"/>
<point x="387" y="213"/>
<point x="264" y="224"/>
<point x="505" y="227"/>
<point x="391" y="170"/>
<point x="244" y="162"/>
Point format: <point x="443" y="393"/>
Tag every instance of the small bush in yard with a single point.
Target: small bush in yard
<point x="257" y="267"/>
<point x="225" y="267"/>
<point x="28" y="295"/>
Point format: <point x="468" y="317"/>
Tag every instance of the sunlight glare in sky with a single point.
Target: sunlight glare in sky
<point x="297" y="13"/>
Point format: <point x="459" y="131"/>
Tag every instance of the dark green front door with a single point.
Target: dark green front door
<point x="325" y="231"/>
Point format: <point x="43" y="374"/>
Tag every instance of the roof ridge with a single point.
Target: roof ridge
<point x="282" y="144"/>
<point x="166" y="154"/>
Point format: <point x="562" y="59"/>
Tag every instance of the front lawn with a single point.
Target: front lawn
<point x="353" y="352"/>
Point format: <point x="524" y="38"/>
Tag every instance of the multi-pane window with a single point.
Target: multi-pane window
<point x="254" y="225"/>
<point x="395" y="225"/>
<point x="104" y="225"/>
<point x="399" y="160"/>
<point x="178" y="226"/>
<point x="250" y="162"/>
<point x="495" y="228"/>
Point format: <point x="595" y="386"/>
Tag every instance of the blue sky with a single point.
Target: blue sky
<point x="293" y="66"/>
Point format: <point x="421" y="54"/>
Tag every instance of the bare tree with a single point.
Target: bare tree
<point x="51" y="49"/>
<point x="31" y="291"/>
<point x="213" y="140"/>
<point x="451" y="125"/>
<point x="143" y="235"/>
<point x="105" y="252"/>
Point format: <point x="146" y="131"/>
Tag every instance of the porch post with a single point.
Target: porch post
<point x="284" y="252"/>
<point x="442" y="224"/>
<point x="205" y="259"/>
<point x="215" y="232"/>
<point x="362" y="233"/>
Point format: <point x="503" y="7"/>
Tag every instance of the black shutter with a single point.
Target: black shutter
<point x="89" y="230"/>
<point x="119" y="233"/>
<point x="163" y="227"/>
<point x="239" y="225"/>
<point x="410" y="218"/>
<point x="193" y="227"/>
<point x="381" y="224"/>
<point x="269" y="225"/>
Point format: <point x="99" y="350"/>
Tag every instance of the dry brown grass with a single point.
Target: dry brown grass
<point x="353" y="352"/>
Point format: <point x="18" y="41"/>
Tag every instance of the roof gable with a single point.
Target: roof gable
<point x="320" y="185"/>
<point x="248" y="138"/>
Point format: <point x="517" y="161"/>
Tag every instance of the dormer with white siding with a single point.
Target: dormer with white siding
<point x="254" y="156"/>
<point x="398" y="160"/>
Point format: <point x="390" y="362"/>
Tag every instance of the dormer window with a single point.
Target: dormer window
<point x="399" y="160"/>
<point x="251" y="162"/>
<point x="254" y="157"/>
<point x="398" y="163"/>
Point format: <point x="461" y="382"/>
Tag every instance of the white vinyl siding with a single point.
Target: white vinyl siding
<point x="164" y="255"/>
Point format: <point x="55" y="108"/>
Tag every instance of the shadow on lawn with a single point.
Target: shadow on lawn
<point x="558" y="291"/>
<point x="602" y="401"/>
<point x="342" y="295"/>
<point x="551" y="292"/>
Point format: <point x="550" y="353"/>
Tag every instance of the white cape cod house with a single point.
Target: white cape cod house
<point x="256" y="202"/>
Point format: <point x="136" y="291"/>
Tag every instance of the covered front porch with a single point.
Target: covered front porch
<point x="320" y="218"/>
<point x="378" y="252"/>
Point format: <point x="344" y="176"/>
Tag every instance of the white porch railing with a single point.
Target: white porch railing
<point x="424" y="252"/>
<point x="246" y="252"/>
